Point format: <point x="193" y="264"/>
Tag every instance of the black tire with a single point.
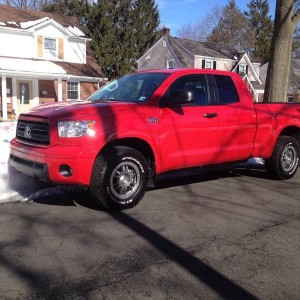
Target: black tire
<point x="284" y="162"/>
<point x="119" y="178"/>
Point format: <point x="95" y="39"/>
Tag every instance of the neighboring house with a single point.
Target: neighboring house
<point x="44" y="58"/>
<point x="171" y="52"/>
<point x="294" y="80"/>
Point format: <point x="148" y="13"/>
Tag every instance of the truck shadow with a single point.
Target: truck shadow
<point x="205" y="273"/>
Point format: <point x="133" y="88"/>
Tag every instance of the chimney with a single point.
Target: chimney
<point x="166" y="31"/>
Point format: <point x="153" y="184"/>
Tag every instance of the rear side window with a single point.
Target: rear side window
<point x="226" y="89"/>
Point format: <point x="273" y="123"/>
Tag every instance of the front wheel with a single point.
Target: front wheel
<point x="283" y="163"/>
<point x="119" y="178"/>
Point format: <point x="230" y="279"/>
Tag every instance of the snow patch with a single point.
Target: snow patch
<point x="75" y="30"/>
<point x="2" y="24"/>
<point x="57" y="190"/>
<point x="6" y="197"/>
<point x="13" y="23"/>
<point x="25" y="25"/>
<point x="7" y="133"/>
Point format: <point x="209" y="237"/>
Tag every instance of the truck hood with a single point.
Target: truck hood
<point x="72" y="109"/>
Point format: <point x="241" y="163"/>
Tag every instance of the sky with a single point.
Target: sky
<point x="176" y="13"/>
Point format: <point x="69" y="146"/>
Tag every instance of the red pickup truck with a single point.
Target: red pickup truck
<point x="147" y="123"/>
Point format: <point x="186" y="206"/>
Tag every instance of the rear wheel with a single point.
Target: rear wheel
<point x="283" y="163"/>
<point x="119" y="178"/>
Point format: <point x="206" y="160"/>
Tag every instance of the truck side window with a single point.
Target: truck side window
<point x="193" y="83"/>
<point x="226" y="89"/>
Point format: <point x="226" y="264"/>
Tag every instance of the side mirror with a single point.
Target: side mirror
<point x="178" y="97"/>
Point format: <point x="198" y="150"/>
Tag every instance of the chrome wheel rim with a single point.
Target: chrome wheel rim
<point x="289" y="159"/>
<point x="125" y="180"/>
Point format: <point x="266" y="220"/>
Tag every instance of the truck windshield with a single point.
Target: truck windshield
<point x="137" y="87"/>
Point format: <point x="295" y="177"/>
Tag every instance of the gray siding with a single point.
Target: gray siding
<point x="156" y="57"/>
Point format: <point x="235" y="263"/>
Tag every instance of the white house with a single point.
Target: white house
<point x="44" y="58"/>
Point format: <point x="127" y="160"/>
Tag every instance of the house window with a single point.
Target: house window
<point x="50" y="47"/>
<point x="242" y="69"/>
<point x="164" y="44"/>
<point x="208" y="64"/>
<point x="170" y="64"/>
<point x="72" y="90"/>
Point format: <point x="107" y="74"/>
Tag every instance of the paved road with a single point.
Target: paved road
<point x="224" y="235"/>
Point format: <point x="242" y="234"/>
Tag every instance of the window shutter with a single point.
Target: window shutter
<point x="60" y="48"/>
<point x="238" y="69"/>
<point x="215" y="65"/>
<point x="40" y="45"/>
<point x="203" y="64"/>
<point x="247" y="69"/>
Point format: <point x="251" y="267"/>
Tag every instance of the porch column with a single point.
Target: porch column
<point x="36" y="97"/>
<point x="4" y="98"/>
<point x="59" y="90"/>
<point x="14" y="95"/>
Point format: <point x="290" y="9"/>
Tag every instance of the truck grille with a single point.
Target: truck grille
<point x="33" y="132"/>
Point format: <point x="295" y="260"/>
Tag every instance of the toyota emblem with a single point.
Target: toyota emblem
<point x="27" y="132"/>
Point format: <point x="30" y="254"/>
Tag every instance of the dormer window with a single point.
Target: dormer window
<point x="208" y="64"/>
<point x="170" y="64"/>
<point x="242" y="70"/>
<point x="50" y="48"/>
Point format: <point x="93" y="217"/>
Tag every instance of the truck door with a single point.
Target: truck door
<point x="188" y="132"/>
<point x="237" y="120"/>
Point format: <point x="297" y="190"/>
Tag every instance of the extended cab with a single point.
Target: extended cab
<point x="147" y="123"/>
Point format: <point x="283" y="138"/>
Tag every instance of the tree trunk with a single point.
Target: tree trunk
<point x="286" y="21"/>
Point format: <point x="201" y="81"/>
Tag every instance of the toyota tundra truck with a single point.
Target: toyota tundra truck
<point x="146" y="123"/>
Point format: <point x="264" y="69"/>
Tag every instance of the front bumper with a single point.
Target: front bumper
<point x="45" y="163"/>
<point x="30" y="168"/>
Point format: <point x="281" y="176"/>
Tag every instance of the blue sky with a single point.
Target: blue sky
<point x="175" y="13"/>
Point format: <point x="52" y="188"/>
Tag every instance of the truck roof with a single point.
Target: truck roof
<point x="187" y="71"/>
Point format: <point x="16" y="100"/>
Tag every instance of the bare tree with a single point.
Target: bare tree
<point x="187" y="31"/>
<point x="32" y="4"/>
<point x="287" y="17"/>
<point x="201" y="30"/>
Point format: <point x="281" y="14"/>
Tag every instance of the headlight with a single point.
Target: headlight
<point x="75" y="128"/>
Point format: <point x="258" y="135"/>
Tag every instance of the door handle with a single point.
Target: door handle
<point x="212" y="115"/>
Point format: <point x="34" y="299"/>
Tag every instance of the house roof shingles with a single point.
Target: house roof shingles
<point x="13" y="16"/>
<point x="18" y="15"/>
<point x="205" y="49"/>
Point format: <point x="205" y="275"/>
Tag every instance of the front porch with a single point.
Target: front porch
<point x="19" y="94"/>
<point x="21" y="83"/>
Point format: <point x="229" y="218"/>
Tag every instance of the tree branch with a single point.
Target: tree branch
<point x="296" y="18"/>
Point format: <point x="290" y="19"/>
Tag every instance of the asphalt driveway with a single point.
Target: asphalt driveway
<point x="222" y="235"/>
